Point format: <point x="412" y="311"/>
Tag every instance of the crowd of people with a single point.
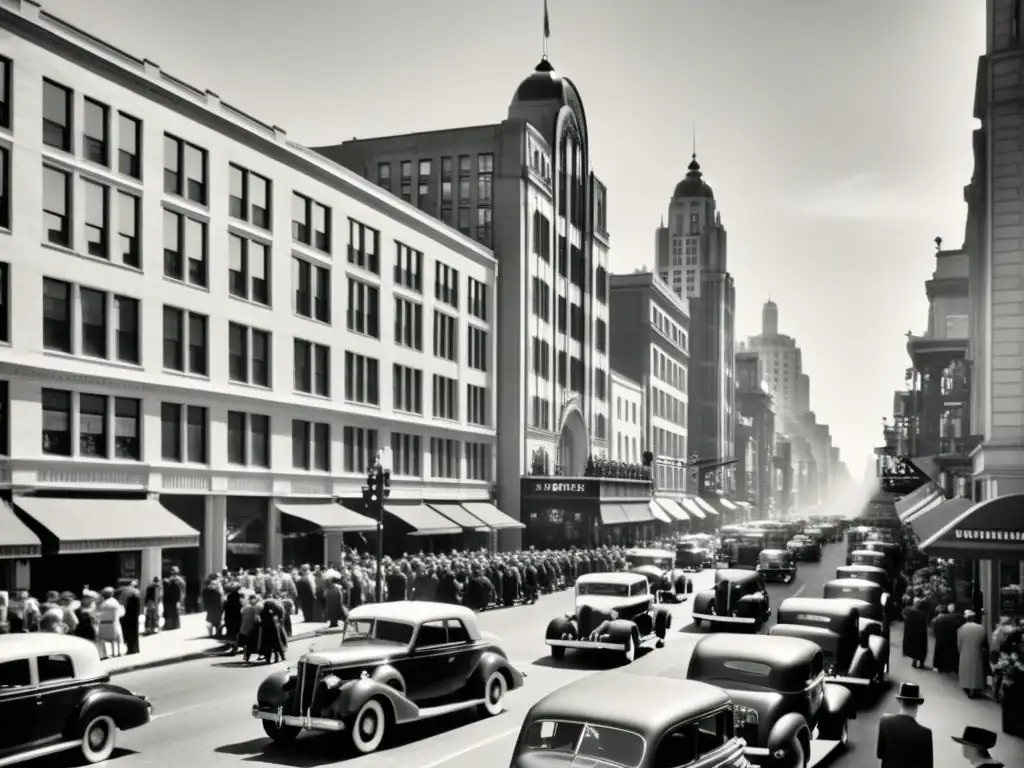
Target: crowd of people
<point x="253" y="611"/>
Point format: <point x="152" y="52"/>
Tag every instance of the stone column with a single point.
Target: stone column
<point x="215" y="534"/>
<point x="274" y="550"/>
<point x="152" y="565"/>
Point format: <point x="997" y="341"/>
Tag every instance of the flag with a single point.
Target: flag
<point x="547" y="24"/>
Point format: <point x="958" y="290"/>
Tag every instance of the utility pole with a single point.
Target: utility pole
<point x="378" y="488"/>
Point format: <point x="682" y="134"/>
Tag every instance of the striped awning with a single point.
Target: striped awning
<point x="659" y="514"/>
<point x="690" y="504"/>
<point x="705" y="505"/>
<point x="673" y="509"/>
<point x="913" y="502"/>
<point x="16" y="538"/>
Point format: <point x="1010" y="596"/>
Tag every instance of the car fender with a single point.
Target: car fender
<point x="862" y="664"/>
<point x="355" y="693"/>
<point x="838" y="700"/>
<point x="784" y="734"/>
<point x="751" y="605"/>
<point x="620" y="630"/>
<point x="125" y="707"/>
<point x="272" y="691"/>
<point x="879" y="648"/>
<point x="491" y="662"/>
<point x="557" y="627"/>
<point x="386" y="674"/>
<point x="703" y="600"/>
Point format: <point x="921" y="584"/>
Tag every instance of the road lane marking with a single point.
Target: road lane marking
<point x="471" y="748"/>
<point x="799" y="591"/>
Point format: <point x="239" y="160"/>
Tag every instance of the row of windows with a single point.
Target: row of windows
<point x="668" y="443"/>
<point x="569" y="370"/>
<point x="668" y="370"/>
<point x="667" y="407"/>
<point x="668" y="327"/>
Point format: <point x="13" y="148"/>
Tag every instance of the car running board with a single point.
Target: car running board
<point x="32" y="754"/>
<point x="447" y="709"/>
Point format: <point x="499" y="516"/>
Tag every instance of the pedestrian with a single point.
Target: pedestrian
<point x="130" y="598"/>
<point x="915" y="634"/>
<point x="248" y="631"/>
<point x="154" y="592"/>
<point x="972" y="645"/>
<point x="902" y="741"/>
<point x="946" y="625"/>
<point x="976" y="743"/>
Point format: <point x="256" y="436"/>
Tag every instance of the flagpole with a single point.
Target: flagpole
<point x="547" y="29"/>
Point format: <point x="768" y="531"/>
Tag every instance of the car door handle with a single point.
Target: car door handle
<point x="39" y="700"/>
<point x="451" y="659"/>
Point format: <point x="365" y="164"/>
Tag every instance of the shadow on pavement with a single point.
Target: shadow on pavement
<point x="588" y="660"/>
<point x="237" y="664"/>
<point x="73" y="759"/>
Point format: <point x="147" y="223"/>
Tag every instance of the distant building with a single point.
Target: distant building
<point x="627" y="419"/>
<point x="782" y="367"/>
<point x="756" y="423"/>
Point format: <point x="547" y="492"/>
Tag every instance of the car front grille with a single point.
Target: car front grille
<point x="306" y="682"/>
<point x="722" y="602"/>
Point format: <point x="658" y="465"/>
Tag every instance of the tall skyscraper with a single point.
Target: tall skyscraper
<point x="692" y="259"/>
<point x="782" y="366"/>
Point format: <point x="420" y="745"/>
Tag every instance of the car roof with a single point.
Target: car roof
<point x="620" y="577"/>
<point x="734" y="574"/>
<point x="774" y="551"/>
<point x="22" y="645"/>
<point x="768" y="649"/>
<point x="649" y="552"/>
<point x="413" y="612"/>
<point x="819" y="605"/>
<point x="598" y="699"/>
<point x="858" y="583"/>
<point x="863" y="568"/>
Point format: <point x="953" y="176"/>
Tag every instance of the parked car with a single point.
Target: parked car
<point x="816" y="533"/>
<point x="805" y="548"/>
<point x="744" y="550"/>
<point x="867" y="572"/>
<point x="695" y="553"/>
<point x="668" y="583"/>
<point x="779" y="692"/>
<point x="777" y="565"/>
<point x="396" y="663"/>
<point x="892" y="551"/>
<point x="868" y="557"/>
<point x="677" y="723"/>
<point x="854" y="655"/>
<point x="738" y="602"/>
<point x="56" y="696"/>
<point x="614" y="612"/>
<point x="875" y="596"/>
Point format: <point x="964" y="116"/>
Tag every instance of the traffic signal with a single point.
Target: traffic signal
<point x="386" y="477"/>
<point x="373" y="487"/>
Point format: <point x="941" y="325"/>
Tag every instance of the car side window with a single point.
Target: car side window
<point x="677" y="748"/>
<point x="457" y="633"/>
<point x="15" y="674"/>
<point x="640" y="588"/>
<point x="55" y="667"/>
<point x="432" y="633"/>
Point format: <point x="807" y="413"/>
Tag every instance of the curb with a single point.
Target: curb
<point x="180" y="658"/>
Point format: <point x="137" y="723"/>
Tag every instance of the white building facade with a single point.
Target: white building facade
<point x="214" y="317"/>
<point x="626" y="419"/>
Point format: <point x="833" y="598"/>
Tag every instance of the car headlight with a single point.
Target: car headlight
<point x="744" y="716"/>
<point x="332" y="681"/>
<point x="614" y="614"/>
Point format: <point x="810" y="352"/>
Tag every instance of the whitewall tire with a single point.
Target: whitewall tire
<point x="99" y="737"/>
<point x="368" y="727"/>
<point x="629" y="653"/>
<point x="494" y="694"/>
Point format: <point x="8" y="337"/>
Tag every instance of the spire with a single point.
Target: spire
<point x="694" y="137"/>
<point x="547" y="29"/>
<point x="694" y="167"/>
<point x="663" y="221"/>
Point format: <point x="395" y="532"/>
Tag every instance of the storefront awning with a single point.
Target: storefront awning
<point x="917" y="499"/>
<point x="107" y="525"/>
<point x="328" y="516"/>
<point x="673" y="509"/>
<point x="690" y="505"/>
<point x="707" y="505"/>
<point x="727" y="504"/>
<point x="423" y="520"/>
<point x="16" y="538"/>
<point x="919" y="510"/>
<point x="613" y="514"/>
<point x="638" y="512"/>
<point x="460" y="516"/>
<point x="658" y="513"/>
<point x="492" y="516"/>
<point x="986" y="530"/>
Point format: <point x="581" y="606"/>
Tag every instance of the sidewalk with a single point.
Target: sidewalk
<point x="946" y="709"/>
<point x="186" y="644"/>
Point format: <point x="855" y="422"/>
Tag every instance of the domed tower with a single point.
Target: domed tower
<point x="770" y="319"/>
<point x="693" y="184"/>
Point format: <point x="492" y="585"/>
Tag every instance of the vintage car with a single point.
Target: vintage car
<point x="867" y="572"/>
<point x="777" y="565"/>
<point x="805" y="548"/>
<point x="614" y="612"/>
<point x="744" y="550"/>
<point x="668" y="583"/>
<point x="816" y="533"/>
<point x="695" y="553"/>
<point x="738" y="601"/>
<point x="874" y="595"/>
<point x="892" y="551"/>
<point x="855" y="656"/>
<point x="831" y="530"/>
<point x="396" y="663"/>
<point x="779" y="691"/>
<point x="680" y="723"/>
<point x="56" y="696"/>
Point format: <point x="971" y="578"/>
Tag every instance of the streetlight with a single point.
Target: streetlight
<point x="378" y="488"/>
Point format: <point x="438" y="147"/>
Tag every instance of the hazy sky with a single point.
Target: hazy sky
<point x="836" y="134"/>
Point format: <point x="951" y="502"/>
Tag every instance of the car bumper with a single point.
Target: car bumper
<point x="725" y="619"/>
<point x="307" y="723"/>
<point x="587" y="644"/>
<point x="853" y="682"/>
<point x="775" y="572"/>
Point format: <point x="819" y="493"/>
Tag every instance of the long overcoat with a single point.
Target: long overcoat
<point x="971" y="642"/>
<point x="915" y="634"/>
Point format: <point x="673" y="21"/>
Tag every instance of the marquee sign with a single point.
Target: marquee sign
<point x="983" y="534"/>
<point x="561" y="489"/>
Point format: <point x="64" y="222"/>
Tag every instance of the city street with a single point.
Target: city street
<point x="202" y="707"/>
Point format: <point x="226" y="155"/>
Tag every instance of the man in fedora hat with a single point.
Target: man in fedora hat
<point x="976" y="743"/>
<point x="902" y="741"/>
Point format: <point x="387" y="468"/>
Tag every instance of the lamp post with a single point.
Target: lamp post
<point x="378" y="488"/>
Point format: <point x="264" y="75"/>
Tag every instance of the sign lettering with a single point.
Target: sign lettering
<point x="559" y="488"/>
<point x="975" y="534"/>
<point x="811" y="617"/>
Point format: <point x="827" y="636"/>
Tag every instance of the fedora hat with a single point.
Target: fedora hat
<point x="977" y="737"/>
<point x="910" y="693"/>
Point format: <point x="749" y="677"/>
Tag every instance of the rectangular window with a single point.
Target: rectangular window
<point x="484" y="179"/>
<point x="5" y="188"/>
<point x="249" y="196"/>
<point x="477" y="349"/>
<point x="5" y="418"/>
<point x="5" y="306"/>
<point x="249" y="270"/>
<point x="446" y="398"/>
<point x="409" y="324"/>
<point x="359" y="448"/>
<point x="484" y="226"/>
<point x="96" y="132"/>
<point x="57" y="112"/>
<point x="248" y="355"/>
<point x="56" y="315"/>
<point x="126" y="329"/>
<point x="476" y="405"/>
<point x="129" y="139"/>
<point x="92" y="427"/>
<point x="444" y="458"/>
<point x="195" y="434"/>
<point x="363" y="246"/>
<point x="312" y="365"/>
<point x="259" y="440"/>
<point x="238" y="446"/>
<point x="311" y="446"/>
<point x="93" y="305"/>
<point x="446" y="284"/>
<point x="171" y="429"/>
<point x="408" y="389"/>
<point x="311" y="223"/>
<point x="406" y="455"/>
<point x="185" y="248"/>
<point x="57" y="206"/>
<point x="312" y="290"/>
<point x="198" y="344"/>
<point x="446" y="336"/>
<point x="185" y="341"/>
<point x="408" y="267"/>
<point x="5" y="92"/>
<point x="478" y="461"/>
<point x="185" y="171"/>
<point x="128" y="428"/>
<point x="97" y="219"/>
<point x="128" y="229"/>
<point x="477" y="299"/>
<point x="362" y="315"/>
<point x="384" y="175"/>
<point x="362" y="382"/>
<point x="56" y="422"/>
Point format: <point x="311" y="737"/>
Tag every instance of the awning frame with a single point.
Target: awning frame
<point x="331" y="507"/>
<point x="706" y="505"/>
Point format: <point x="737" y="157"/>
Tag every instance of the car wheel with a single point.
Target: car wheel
<point x="629" y="653"/>
<point x="494" y="694"/>
<point x="368" y="727"/>
<point x="281" y="734"/>
<point x="99" y="737"/>
<point x="801" y="759"/>
<point x="844" y="735"/>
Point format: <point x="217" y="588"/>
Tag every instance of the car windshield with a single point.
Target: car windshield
<point x="591" y="742"/>
<point x="379" y="630"/>
<point x="659" y="561"/>
<point x="602" y="588"/>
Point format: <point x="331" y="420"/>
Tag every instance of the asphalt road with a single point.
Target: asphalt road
<point x="203" y="707"/>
